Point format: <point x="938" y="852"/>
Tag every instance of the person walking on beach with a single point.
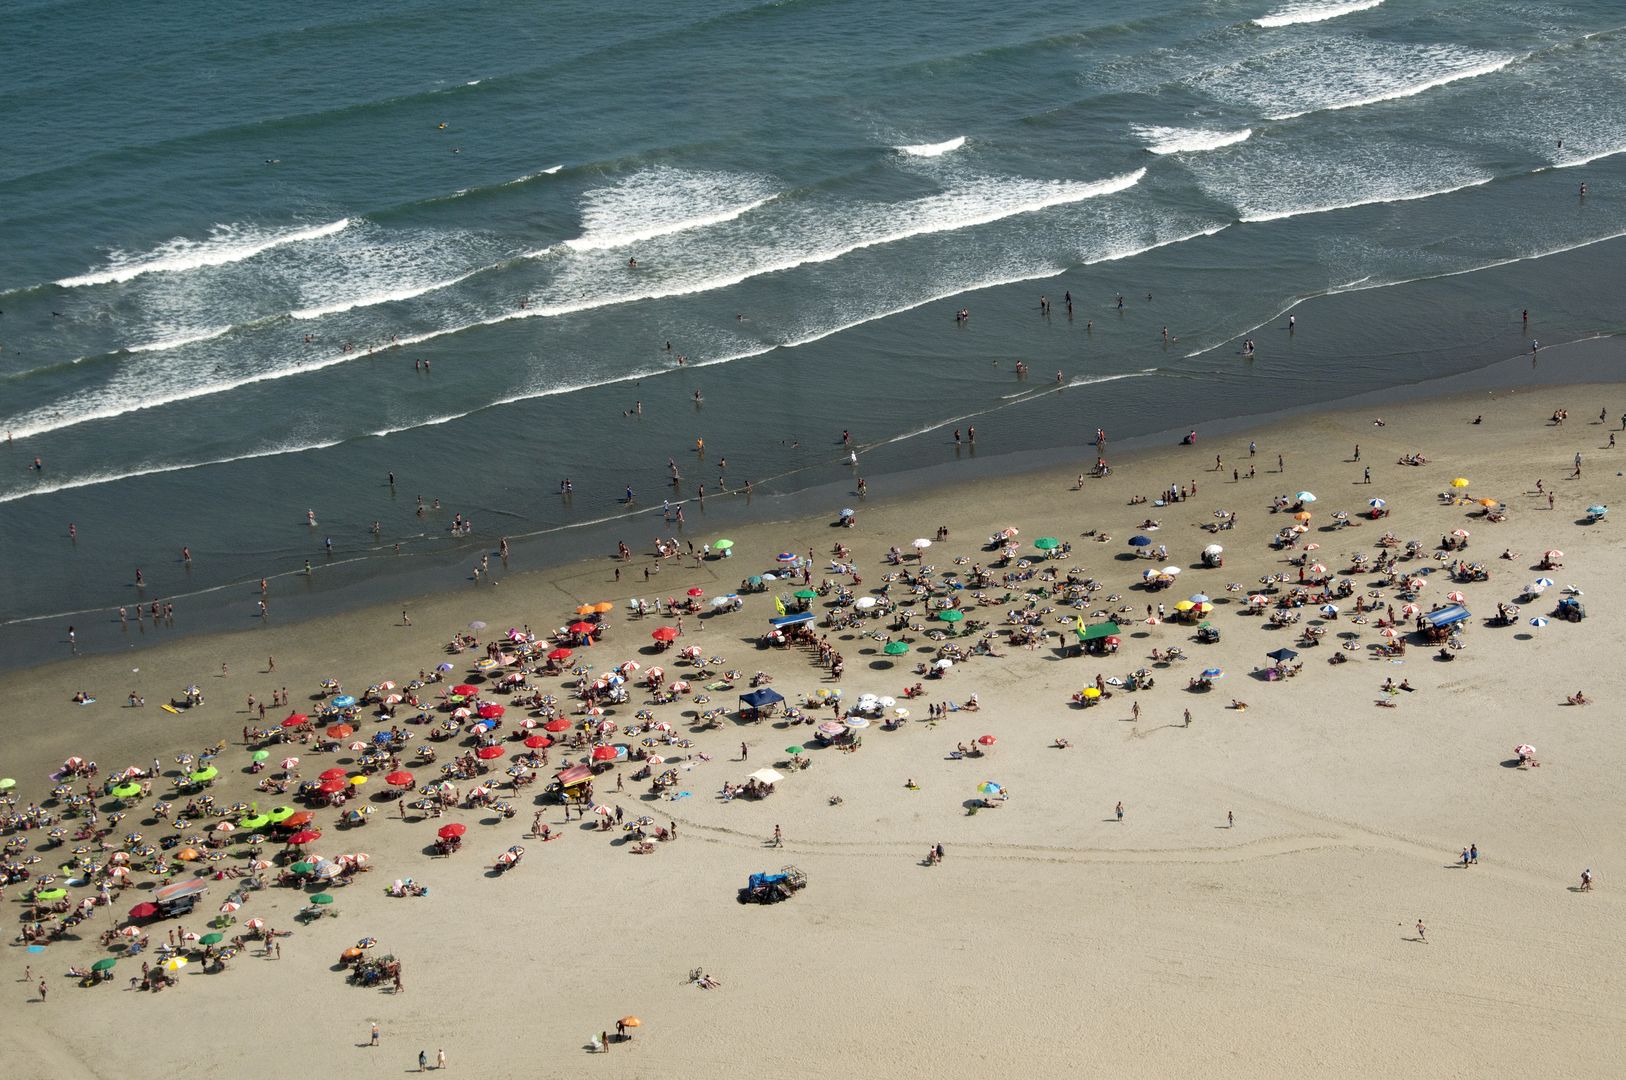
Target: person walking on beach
<point x="1119" y="810"/>
<point x="1422" y="932"/>
<point x="778" y="837"/>
<point x="440" y="1059"/>
<point x="373" y="1040"/>
<point x="744" y="751"/>
<point x="1367" y="476"/>
<point x="423" y="1060"/>
<point x="1230" y="820"/>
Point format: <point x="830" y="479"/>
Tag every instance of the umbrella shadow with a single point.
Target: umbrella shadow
<point x="1511" y="763"/>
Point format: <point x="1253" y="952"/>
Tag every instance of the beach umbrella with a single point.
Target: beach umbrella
<point x="295" y="821"/>
<point x="1460" y="534"/>
<point x="344" y="701"/>
<point x="1535" y="588"/>
<point x="585" y="609"/>
<point x="1198" y="598"/>
<point x="322" y="898"/>
<point x="305" y="836"/>
<point x="358" y="746"/>
<point x="280" y="814"/>
<point x="400" y="778"/>
<point x="7" y="784"/>
<point x="1282" y="655"/>
<point x="864" y="603"/>
<point x="1091" y="693"/>
<point x="1047" y="543"/>
<point x="340" y="731"/>
<point x="1212" y="673"/>
<point x="793" y="749"/>
<point x="465" y="690"/>
<point x="303" y="867"/>
<point x="444" y="665"/>
<point x="50" y="894"/>
<point x="560" y="654"/>
<point x="491" y="712"/>
<point x="665" y="633"/>
<point x="1184" y="605"/>
<point x="334" y="773"/>
<point x="260" y="755"/>
<point x="1389" y="632"/>
<point x="131" y="931"/>
<point x="1460" y="482"/>
<point x="1553" y="554"/>
<point x="1488" y="503"/>
<point x="330" y="787"/>
<point x="1415" y="583"/>
<point x="895" y="648"/>
<point x="920" y="543"/>
<point x="489" y="753"/>
<point x="452" y="831"/>
<point x="1329" y="609"/>
<point x="603" y="607"/>
<point x="1140" y="541"/>
<point x="1303" y="515"/>
<point x="290" y="763"/>
<point x="988" y="787"/>
<point x="104" y="964"/>
<point x="806" y="594"/>
<point x="556" y="726"/>
<point x="1258" y="598"/>
<point x="856" y="723"/>
<point x="1525" y="750"/>
<point x="255" y="822"/>
<point x="211" y="939"/>
<point x="1597" y="510"/>
<point x="1544" y="582"/>
<point x="1169" y="571"/>
<point x="1455" y="597"/>
<point x="987" y="740"/>
<point x="1411" y="609"/>
<point x="1304" y="497"/>
<point x="175" y="963"/>
<point x="630" y="1021"/>
<point x="144" y="911"/>
<point x="951" y="615"/>
<point x="125" y="791"/>
<point x="1215" y="549"/>
<point x="1148" y="575"/>
<point x="225" y="826"/>
<point x="1538" y="622"/>
<point x="723" y="544"/>
<point x="604" y="753"/>
<point x="537" y="742"/>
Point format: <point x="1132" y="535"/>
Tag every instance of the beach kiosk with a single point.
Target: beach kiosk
<point x="1437" y="625"/>
<point x="574" y="784"/>
<point x="1092" y="640"/>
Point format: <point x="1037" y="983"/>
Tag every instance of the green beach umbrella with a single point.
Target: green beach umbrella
<point x="258" y="821"/>
<point x="51" y="894"/>
<point x="723" y="545"/>
<point x="7" y="784"/>
<point x="261" y="755"/>
<point x="125" y="791"/>
<point x="895" y="648"/>
<point x="205" y="774"/>
<point x="104" y="964"/>
<point x="805" y="594"/>
<point x="793" y="749"/>
<point x="281" y="813"/>
<point x="1047" y="543"/>
<point x="951" y="615"/>
<point x="304" y="868"/>
<point x="322" y="898"/>
<point x="211" y="939"/>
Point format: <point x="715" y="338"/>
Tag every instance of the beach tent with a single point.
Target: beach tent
<point x="791" y="620"/>
<point x="1098" y="631"/>
<point x="1446" y="616"/>
<point x="576" y="774"/>
<point x="759" y="699"/>
<point x="766" y="776"/>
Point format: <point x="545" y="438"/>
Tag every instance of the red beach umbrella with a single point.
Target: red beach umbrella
<point x="455" y="829"/>
<point x="465" y="690"/>
<point x="556" y="726"/>
<point x="143" y="911"/>
<point x="340" y="731"/>
<point x="295" y="720"/>
<point x="399" y="778"/>
<point x="331" y="787"/>
<point x="489" y="753"/>
<point x="305" y="836"/>
<point x="538" y="742"/>
<point x="988" y="740"/>
<point x="581" y="628"/>
<point x="491" y="712"/>
<point x="665" y="633"/>
<point x="604" y="753"/>
<point x="560" y="654"/>
<point x="334" y="773"/>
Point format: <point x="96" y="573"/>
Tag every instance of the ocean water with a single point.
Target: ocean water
<point x="228" y="238"/>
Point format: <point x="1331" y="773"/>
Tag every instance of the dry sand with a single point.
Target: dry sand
<point x="1053" y="940"/>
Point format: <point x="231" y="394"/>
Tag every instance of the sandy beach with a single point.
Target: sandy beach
<point x="1055" y="937"/>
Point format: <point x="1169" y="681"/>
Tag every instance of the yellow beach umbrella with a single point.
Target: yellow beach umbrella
<point x="1460" y="482"/>
<point x="1184" y="605"/>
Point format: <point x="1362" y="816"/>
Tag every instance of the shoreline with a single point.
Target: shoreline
<point x="1596" y="359"/>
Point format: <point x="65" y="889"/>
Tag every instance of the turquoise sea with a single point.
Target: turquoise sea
<point x="229" y="235"/>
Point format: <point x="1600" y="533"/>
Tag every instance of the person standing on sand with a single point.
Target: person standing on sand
<point x="440" y="1059"/>
<point x="778" y="837"/>
<point x="423" y="1060"/>
<point x="1119" y="810"/>
<point x="373" y="1040"/>
<point x="1230" y="820"/>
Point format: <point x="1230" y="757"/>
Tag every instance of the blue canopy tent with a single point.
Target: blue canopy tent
<point x="1446" y="616"/>
<point x="758" y="703"/>
<point x="791" y="620"/>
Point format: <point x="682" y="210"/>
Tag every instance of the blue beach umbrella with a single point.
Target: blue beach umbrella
<point x="1140" y="541"/>
<point x="344" y="701"/>
<point x="1212" y="673"/>
<point x="1538" y="621"/>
